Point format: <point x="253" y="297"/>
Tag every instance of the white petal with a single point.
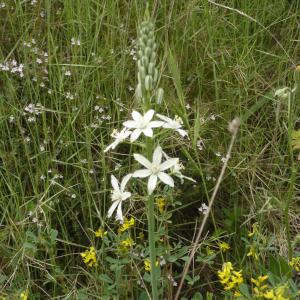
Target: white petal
<point x="166" y="179"/>
<point x="152" y="183"/>
<point x="109" y="147"/>
<point x="142" y="173"/>
<point x="135" y="135"/>
<point x="136" y="116"/>
<point x="119" y="215"/>
<point x="126" y="195"/>
<point x="148" y="132"/>
<point x="112" y="208"/>
<point x="130" y="124"/>
<point x="189" y="178"/>
<point x="155" y="124"/>
<point x="149" y="115"/>
<point x="164" y="118"/>
<point x="114" y="183"/>
<point x="168" y="164"/>
<point x="124" y="181"/>
<point x="182" y="132"/>
<point x="157" y="155"/>
<point x="142" y="160"/>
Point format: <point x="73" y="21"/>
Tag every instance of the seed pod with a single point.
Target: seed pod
<point x="159" y="95"/>
<point x="148" y="83"/>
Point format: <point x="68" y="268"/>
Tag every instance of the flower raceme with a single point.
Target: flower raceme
<point x="155" y="169"/>
<point x="118" y="196"/>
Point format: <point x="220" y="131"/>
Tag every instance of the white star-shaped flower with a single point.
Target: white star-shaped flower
<point x="142" y="124"/>
<point x="155" y="169"/>
<point x="118" y="196"/>
<point x="175" y="124"/>
<point x="119" y="138"/>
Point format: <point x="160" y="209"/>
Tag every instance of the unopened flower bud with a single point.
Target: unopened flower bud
<point x="139" y="92"/>
<point x="145" y="61"/>
<point x="148" y="83"/>
<point x="159" y="95"/>
<point x="151" y="69"/>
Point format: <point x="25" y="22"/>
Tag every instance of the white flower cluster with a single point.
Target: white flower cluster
<point x="31" y="110"/>
<point x="154" y="170"/>
<point x="13" y="67"/>
<point x="144" y="125"/>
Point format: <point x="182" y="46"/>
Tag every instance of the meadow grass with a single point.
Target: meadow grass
<point x="79" y="62"/>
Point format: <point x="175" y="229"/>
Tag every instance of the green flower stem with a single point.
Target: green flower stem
<point x="290" y="194"/>
<point x="151" y="239"/>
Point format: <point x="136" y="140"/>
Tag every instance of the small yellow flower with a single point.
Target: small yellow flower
<point x="277" y="293"/>
<point x="252" y="252"/>
<point x="260" y="287"/>
<point x="223" y="246"/>
<point x="141" y="236"/>
<point x="254" y="229"/>
<point x="24" y="295"/>
<point x="161" y="204"/>
<point x="101" y="233"/>
<point x="229" y="278"/>
<point x="147" y="265"/>
<point x="295" y="263"/>
<point x="126" y="244"/>
<point x="126" y="225"/>
<point x="237" y="294"/>
<point x="89" y="257"/>
<point x="209" y="251"/>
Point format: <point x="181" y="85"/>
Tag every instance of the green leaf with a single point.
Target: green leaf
<point x="244" y="290"/>
<point x="197" y="296"/>
<point x="105" y="278"/>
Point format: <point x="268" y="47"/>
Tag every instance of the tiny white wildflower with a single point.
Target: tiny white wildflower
<point x="67" y="73"/>
<point x="11" y="119"/>
<point x="203" y="209"/>
<point x="118" y="196"/>
<point x="213" y="117"/>
<point x="155" y="169"/>
<point x="142" y="124"/>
